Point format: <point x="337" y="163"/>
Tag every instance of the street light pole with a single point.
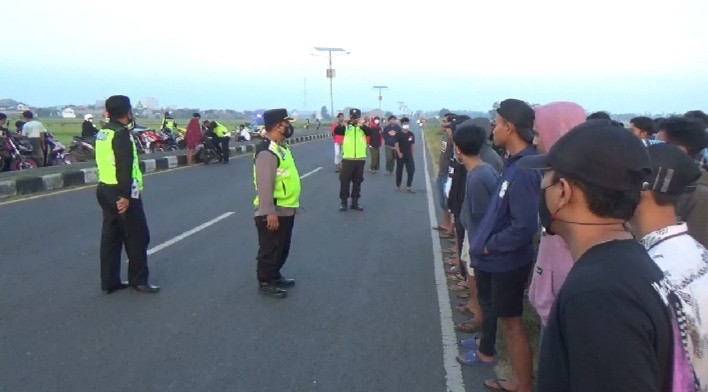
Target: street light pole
<point x="380" y="97"/>
<point x="330" y="75"/>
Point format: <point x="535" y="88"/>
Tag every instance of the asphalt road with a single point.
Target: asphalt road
<point x="364" y="315"/>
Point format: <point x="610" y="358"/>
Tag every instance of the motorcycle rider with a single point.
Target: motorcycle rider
<point x="34" y="131"/>
<point x="168" y="123"/>
<point x="88" y="130"/>
<point x="3" y="125"/>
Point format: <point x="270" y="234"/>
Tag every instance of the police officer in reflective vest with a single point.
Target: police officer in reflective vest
<point x="278" y="185"/>
<point x="118" y="193"/>
<point x="354" y="149"/>
<point x="219" y="133"/>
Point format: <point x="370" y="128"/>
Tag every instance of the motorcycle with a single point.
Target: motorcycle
<point x="83" y="149"/>
<point x="57" y="154"/>
<point x="171" y="140"/>
<point x="206" y="151"/>
<point x="16" y="149"/>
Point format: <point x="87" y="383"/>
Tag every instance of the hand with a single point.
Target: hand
<point x="273" y="222"/>
<point x="400" y="154"/>
<point x="485" y="251"/>
<point x="122" y="205"/>
<point x="360" y="122"/>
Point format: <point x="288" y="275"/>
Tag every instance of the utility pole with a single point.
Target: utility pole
<point x="331" y="74"/>
<point x="380" y="97"/>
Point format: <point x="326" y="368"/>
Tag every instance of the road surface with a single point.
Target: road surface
<point x="365" y="314"/>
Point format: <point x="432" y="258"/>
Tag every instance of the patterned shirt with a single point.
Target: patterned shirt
<point x="684" y="262"/>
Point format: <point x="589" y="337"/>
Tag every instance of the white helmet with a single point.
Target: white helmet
<point x="88" y="117"/>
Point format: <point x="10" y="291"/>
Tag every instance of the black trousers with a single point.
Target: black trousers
<point x="410" y="169"/>
<point x="221" y="144"/>
<point x="130" y="230"/>
<point x="352" y="173"/>
<point x="273" y="247"/>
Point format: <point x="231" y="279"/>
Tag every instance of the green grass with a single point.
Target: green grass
<point x="433" y="138"/>
<point x="65" y="129"/>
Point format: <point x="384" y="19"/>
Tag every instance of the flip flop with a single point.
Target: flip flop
<point x="471" y="359"/>
<point x="463" y="295"/>
<point x="470" y="343"/>
<point x="438" y="228"/>
<point x="496" y="385"/>
<point x="468" y="327"/>
<point x="464" y="310"/>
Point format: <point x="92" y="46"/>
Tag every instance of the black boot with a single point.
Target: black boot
<point x="356" y="206"/>
<point x="343" y="206"/>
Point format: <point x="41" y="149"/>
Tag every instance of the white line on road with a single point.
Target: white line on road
<point x="312" y="172"/>
<point x="188" y="233"/>
<point x="453" y="371"/>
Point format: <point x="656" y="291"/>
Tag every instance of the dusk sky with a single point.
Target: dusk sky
<point x="618" y="55"/>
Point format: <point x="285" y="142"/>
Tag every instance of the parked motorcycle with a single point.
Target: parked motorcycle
<point x="205" y="151"/>
<point x="83" y="149"/>
<point x="57" y="154"/>
<point x="18" y="149"/>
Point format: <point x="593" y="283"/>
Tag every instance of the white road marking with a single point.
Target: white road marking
<point x="453" y="370"/>
<point x="186" y="234"/>
<point x="312" y="172"/>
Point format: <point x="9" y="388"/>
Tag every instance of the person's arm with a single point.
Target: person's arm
<point x="397" y="147"/>
<point x="610" y="344"/>
<point x="339" y="129"/>
<point x="266" y="168"/>
<point x="123" y="150"/>
<point x="523" y="194"/>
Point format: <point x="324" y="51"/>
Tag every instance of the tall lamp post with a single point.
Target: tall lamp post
<point x="380" y="97"/>
<point x="330" y="74"/>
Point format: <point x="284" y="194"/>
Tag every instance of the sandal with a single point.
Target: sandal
<point x="470" y="358"/>
<point x="471" y="326"/>
<point x="456" y="287"/>
<point x="455" y="278"/>
<point x="464" y="310"/>
<point x="463" y="295"/>
<point x="439" y="228"/>
<point x="471" y="343"/>
<point x="495" y="385"/>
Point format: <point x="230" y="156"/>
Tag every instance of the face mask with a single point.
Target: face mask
<point x="544" y="213"/>
<point x="376" y="122"/>
<point x="289" y="130"/>
<point x="406" y="126"/>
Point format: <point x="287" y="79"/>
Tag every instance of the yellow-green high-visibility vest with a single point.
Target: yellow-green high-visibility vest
<point x="287" y="189"/>
<point x="220" y="130"/>
<point x="354" y="145"/>
<point x="106" y="159"/>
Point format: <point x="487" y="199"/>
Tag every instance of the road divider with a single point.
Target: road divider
<point x="28" y="184"/>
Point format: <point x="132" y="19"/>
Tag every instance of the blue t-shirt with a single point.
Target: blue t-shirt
<point x="390" y="140"/>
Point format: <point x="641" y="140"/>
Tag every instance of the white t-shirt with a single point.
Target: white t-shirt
<point x="684" y="262"/>
<point x="33" y="128"/>
<point x="245" y="135"/>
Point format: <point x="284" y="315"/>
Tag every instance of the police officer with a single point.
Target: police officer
<point x="118" y="193"/>
<point x="354" y="149"/>
<point x="219" y="133"/>
<point x="168" y="123"/>
<point x="278" y="185"/>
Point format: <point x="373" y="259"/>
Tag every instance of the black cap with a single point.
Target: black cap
<point x="118" y="106"/>
<point x="520" y="114"/>
<point x="27" y="114"/>
<point x="597" y="153"/>
<point x="275" y="116"/>
<point x="673" y="171"/>
<point x="354" y="113"/>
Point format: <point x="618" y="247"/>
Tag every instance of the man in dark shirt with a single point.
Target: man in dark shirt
<point x="389" y="133"/>
<point x="446" y="154"/>
<point x="405" y="141"/>
<point x="504" y="245"/>
<point x="609" y="329"/>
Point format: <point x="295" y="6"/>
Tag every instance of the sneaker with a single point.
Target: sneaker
<point x="271" y="290"/>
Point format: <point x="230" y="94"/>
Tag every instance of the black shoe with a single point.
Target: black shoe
<point x="356" y="206"/>
<point x="284" y="282"/>
<point x="120" y="286"/>
<point x="146" y="288"/>
<point x="271" y="290"/>
<point x="343" y="206"/>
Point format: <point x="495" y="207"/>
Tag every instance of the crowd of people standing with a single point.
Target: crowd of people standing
<point x="619" y="271"/>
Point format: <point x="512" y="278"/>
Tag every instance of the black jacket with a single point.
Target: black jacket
<point x="88" y="130"/>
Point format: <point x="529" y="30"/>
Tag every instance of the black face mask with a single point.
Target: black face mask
<point x="289" y="130"/>
<point x="545" y="214"/>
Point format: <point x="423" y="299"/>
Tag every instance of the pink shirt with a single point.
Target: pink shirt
<point x="552" y="266"/>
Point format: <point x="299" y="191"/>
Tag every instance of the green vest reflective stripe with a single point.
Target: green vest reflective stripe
<point x="220" y="130"/>
<point x="106" y="159"/>
<point x="169" y="123"/>
<point x="354" y="146"/>
<point x="287" y="189"/>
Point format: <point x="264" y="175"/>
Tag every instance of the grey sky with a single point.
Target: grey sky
<point x="620" y="55"/>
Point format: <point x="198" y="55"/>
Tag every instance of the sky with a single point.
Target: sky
<point x="623" y="56"/>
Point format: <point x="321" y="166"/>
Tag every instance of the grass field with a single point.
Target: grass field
<point x="65" y="129"/>
<point x="433" y="138"/>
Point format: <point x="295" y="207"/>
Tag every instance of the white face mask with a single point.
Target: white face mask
<point x="376" y="121"/>
<point x="406" y="126"/>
